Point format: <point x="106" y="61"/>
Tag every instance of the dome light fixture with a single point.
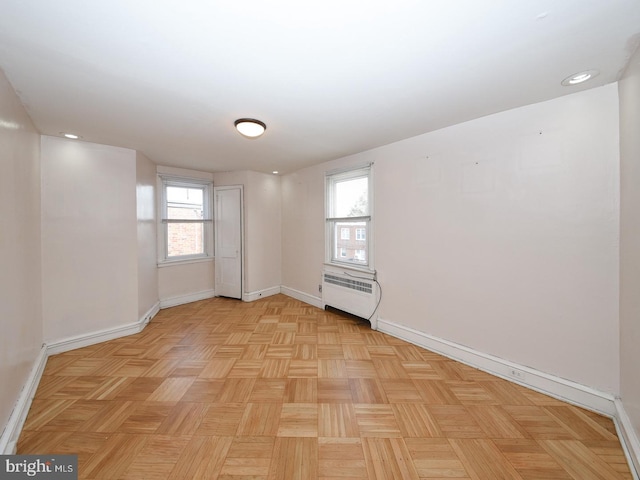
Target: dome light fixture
<point x="250" y="127"/>
<point x="579" y="77"/>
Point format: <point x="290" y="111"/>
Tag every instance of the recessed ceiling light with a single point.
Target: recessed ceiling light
<point x="579" y="77"/>
<point x="250" y="127"/>
<point x="72" y="136"/>
<point x="275" y="172"/>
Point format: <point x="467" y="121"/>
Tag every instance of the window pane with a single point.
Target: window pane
<point x="350" y="249"/>
<point x="184" y="203"/>
<point x="185" y="239"/>
<point x="351" y="197"/>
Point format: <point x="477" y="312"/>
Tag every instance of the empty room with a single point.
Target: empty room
<point x="320" y="240"/>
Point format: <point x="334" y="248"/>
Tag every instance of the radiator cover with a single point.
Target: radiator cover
<point x="349" y="293"/>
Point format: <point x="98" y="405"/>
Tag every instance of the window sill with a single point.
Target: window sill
<point x="339" y="266"/>
<point x="172" y="263"/>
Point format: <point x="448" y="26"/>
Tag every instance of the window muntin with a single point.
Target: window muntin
<point x="186" y="219"/>
<point x="348" y="217"/>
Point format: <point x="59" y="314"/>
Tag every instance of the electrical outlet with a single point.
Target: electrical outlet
<point x="320" y="287"/>
<point x="517" y="374"/>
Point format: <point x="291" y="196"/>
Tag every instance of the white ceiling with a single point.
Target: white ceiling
<point x="329" y="77"/>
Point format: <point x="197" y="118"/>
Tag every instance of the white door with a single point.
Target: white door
<point x="228" y="241"/>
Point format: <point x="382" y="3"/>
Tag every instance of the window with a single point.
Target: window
<point x="348" y="206"/>
<point x="186" y="219"/>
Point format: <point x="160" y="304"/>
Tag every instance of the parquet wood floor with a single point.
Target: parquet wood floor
<point x="277" y="389"/>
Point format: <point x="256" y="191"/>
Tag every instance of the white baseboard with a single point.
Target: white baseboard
<point x="152" y="312"/>
<point x="11" y="433"/>
<point x="303" y="297"/>
<point x="628" y="438"/>
<point x="100" y="336"/>
<point x="8" y="441"/>
<point x="182" y="299"/>
<point x="267" y="292"/>
<point x="557" y="387"/>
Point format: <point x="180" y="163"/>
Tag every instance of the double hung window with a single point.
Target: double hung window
<point x="348" y="217"/>
<point x="186" y="219"/>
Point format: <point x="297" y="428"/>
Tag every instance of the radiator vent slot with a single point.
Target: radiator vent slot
<point x="348" y="283"/>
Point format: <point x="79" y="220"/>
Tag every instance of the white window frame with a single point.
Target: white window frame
<point x="359" y="236"/>
<point x="332" y="254"/>
<point x="207" y="221"/>
<point x="345" y="233"/>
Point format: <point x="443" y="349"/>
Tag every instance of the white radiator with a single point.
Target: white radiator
<point x="355" y="294"/>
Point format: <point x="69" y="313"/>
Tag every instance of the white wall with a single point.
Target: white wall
<point x="146" y="181"/>
<point x="262" y="227"/>
<point x="500" y="234"/>
<point x="263" y="232"/>
<point x="303" y="228"/>
<point x="185" y="282"/>
<point x="89" y="238"/>
<point x="20" y="254"/>
<point x="629" y="88"/>
<point x="182" y="283"/>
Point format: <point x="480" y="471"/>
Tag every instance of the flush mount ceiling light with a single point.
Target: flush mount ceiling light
<point x="250" y="127"/>
<point x="580" y="77"/>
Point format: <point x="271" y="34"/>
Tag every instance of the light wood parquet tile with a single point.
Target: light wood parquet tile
<point x="157" y="458"/>
<point x="435" y="458"/>
<point x="202" y="457"/>
<point x="298" y="420"/>
<point x="260" y="419"/>
<point x="303" y="369"/>
<point x="114" y="456"/>
<point x="341" y="458"/>
<point x="483" y="460"/>
<point x="276" y="389"/>
<point x="531" y="460"/>
<point x="388" y="458"/>
<point x="181" y="420"/>
<point x="248" y="458"/>
<point x="415" y="421"/>
<point x="495" y="422"/>
<point x="268" y="390"/>
<point x="221" y="419"/>
<point x="577" y="459"/>
<point x="334" y="390"/>
<point x="294" y="457"/>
